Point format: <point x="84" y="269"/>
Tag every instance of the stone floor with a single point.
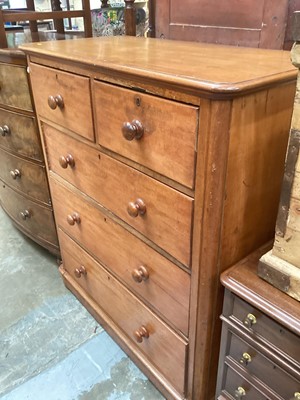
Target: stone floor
<point x="51" y="348"/>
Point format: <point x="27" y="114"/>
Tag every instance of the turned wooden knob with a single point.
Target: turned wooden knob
<point x="133" y="130"/>
<point x="73" y="218"/>
<point x="136" y="208"/>
<point x="25" y="214"/>
<point x="64" y="162"/>
<point x="140" y="274"/>
<point x="15" y="174"/>
<point x="250" y="320"/>
<point x="4" y="130"/>
<point x="55" y="101"/>
<point x="141" y="333"/>
<point x="240" y="393"/>
<point x="80" y="271"/>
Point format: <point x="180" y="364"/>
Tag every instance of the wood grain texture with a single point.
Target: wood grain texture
<point x="152" y="59"/>
<point x="14" y="90"/>
<point x="75" y="91"/>
<point x="40" y="224"/>
<point x="167" y="221"/>
<point x="164" y="348"/>
<point x="258" y="143"/>
<point x="170" y="128"/>
<point x="32" y="180"/>
<point x="167" y="289"/>
<point x="24" y="136"/>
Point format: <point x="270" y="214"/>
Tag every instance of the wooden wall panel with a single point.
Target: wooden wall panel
<point x="251" y="23"/>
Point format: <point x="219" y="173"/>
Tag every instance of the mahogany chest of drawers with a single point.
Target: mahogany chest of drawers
<point x="24" y="190"/>
<point x="260" y="348"/>
<point x="161" y="156"/>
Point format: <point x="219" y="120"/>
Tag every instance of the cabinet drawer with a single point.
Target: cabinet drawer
<point x="14" y="90"/>
<point x="267" y="330"/>
<point x="35" y="218"/>
<point x="167" y="288"/>
<point x="169" y="130"/>
<point x="240" y="388"/>
<point x="260" y="366"/>
<point x="25" y="176"/>
<point x="19" y="133"/>
<point x="73" y="110"/>
<point x="168" y="217"/>
<point x="163" y="348"/>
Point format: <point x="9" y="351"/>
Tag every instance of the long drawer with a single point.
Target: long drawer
<point x="26" y="176"/>
<point x="160" y="283"/>
<point x="164" y="349"/>
<point x="14" y="87"/>
<point x="158" y="133"/>
<point x="19" y="133"/>
<point x="63" y="98"/>
<point x="257" y="364"/>
<point x="34" y="218"/>
<point x="167" y="215"/>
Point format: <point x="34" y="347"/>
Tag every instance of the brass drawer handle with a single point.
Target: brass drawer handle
<point x="25" y="214"/>
<point x="141" y="333"/>
<point x="245" y="359"/>
<point x="4" y="130"/>
<point x="296" y="396"/>
<point x="15" y="174"/>
<point x="240" y="393"/>
<point x="56" y="101"/>
<point x="80" y="271"/>
<point x="250" y="320"/>
<point x="136" y="208"/>
<point x="66" y="161"/>
<point x="133" y="130"/>
<point x="140" y="274"/>
<point x="73" y="218"/>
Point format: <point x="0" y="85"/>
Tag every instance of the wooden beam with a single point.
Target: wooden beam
<point x="130" y="20"/>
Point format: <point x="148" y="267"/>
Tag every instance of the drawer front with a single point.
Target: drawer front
<point x="260" y="366"/>
<point x="150" y="275"/>
<point x="14" y="87"/>
<point x="25" y="176"/>
<point x="169" y="129"/>
<point x="19" y="133"/>
<point x="235" y="385"/>
<point x="168" y="216"/>
<point x="34" y="218"/>
<point x="163" y="347"/>
<point x="69" y="97"/>
<point x="267" y="329"/>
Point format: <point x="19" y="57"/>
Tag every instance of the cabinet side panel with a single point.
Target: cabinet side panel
<point x="259" y="134"/>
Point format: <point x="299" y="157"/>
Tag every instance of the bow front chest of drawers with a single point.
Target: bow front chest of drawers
<point x="161" y="156"/>
<point x="24" y="191"/>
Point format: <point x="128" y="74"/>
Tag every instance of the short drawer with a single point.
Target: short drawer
<point x="167" y="214"/>
<point x="14" y="88"/>
<point x="34" y="218"/>
<point x="238" y="387"/>
<point x="260" y="366"/>
<point x="63" y="98"/>
<point x="163" y="348"/>
<point x="159" y="282"/>
<point x="168" y="129"/>
<point x="19" y="133"/>
<point x="26" y="176"/>
<point x="266" y="329"/>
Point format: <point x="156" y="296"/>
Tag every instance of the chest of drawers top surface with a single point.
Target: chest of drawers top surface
<point x="206" y="67"/>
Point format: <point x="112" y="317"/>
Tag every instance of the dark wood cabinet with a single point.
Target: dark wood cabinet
<point x="24" y="191"/>
<point x="260" y="347"/>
